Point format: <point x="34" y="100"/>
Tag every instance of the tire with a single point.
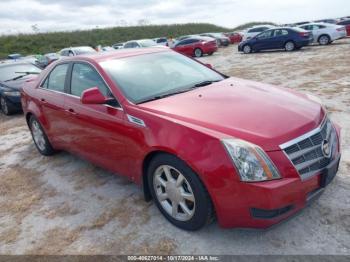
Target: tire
<point x="5" y="106"/>
<point x="40" y="139"/>
<point x="247" y="49"/>
<point x="289" y="46"/>
<point x="198" y="52"/>
<point x="324" y="40"/>
<point x="169" y="178"/>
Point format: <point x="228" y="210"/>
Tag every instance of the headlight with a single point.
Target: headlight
<point x="13" y="93"/>
<point x="250" y="161"/>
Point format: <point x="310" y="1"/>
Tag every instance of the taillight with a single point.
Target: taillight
<point x="304" y="34"/>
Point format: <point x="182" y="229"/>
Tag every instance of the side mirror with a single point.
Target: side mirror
<point x="92" y="96"/>
<point x="209" y="65"/>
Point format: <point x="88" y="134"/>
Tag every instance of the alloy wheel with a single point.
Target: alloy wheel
<point x="198" y="52"/>
<point x="247" y="49"/>
<point x="324" y="40"/>
<point x="290" y="46"/>
<point x="174" y="193"/>
<point x="38" y="136"/>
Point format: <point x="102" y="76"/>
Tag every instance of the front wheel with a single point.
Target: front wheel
<point x="40" y="139"/>
<point x="178" y="193"/>
<point x="247" y="49"/>
<point x="198" y="52"/>
<point x="289" y="46"/>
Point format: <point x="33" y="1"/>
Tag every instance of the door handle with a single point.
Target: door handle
<point x="71" y="111"/>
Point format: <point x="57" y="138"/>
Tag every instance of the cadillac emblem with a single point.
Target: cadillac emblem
<point x="326" y="148"/>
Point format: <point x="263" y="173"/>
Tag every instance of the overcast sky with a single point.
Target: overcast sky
<point x="56" y="15"/>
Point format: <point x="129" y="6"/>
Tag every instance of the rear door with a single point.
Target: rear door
<point x="51" y="95"/>
<point x="97" y="131"/>
<point x="279" y="38"/>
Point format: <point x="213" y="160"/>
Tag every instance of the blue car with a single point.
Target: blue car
<point x="288" y="38"/>
<point x="12" y="77"/>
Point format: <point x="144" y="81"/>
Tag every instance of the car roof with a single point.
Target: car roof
<point x="9" y="62"/>
<point x="117" y="54"/>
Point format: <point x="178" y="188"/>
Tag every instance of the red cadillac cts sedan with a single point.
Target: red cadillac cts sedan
<point x="202" y="145"/>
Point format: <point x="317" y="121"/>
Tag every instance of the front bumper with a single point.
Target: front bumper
<point x="268" y="203"/>
<point x="263" y="204"/>
<point x="14" y="102"/>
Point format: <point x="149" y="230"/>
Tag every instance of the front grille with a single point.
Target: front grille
<point x="307" y="152"/>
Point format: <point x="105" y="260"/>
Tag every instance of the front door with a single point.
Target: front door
<point x="96" y="131"/>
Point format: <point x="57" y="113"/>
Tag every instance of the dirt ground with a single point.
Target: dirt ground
<point x="64" y="205"/>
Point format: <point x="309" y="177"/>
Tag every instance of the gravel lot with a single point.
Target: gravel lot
<point x="64" y="205"/>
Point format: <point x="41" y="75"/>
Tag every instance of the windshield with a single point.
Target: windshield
<point x="9" y="71"/>
<point x="144" y="77"/>
<point x="84" y="50"/>
<point x="147" y="43"/>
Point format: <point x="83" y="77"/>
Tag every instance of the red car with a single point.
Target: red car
<point x="201" y="144"/>
<point x="346" y="23"/>
<point x="234" y="37"/>
<point x="196" y="46"/>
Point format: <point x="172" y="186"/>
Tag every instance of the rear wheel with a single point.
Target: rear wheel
<point x="40" y="139"/>
<point x="324" y="40"/>
<point x="289" y="46"/>
<point x="198" y="52"/>
<point x="178" y="193"/>
<point x="247" y="49"/>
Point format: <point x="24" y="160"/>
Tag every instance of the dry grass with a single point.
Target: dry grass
<point x="21" y="189"/>
<point x="10" y="235"/>
<point x="55" y="241"/>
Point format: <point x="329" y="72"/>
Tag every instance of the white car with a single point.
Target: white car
<point x="325" y="33"/>
<point x="79" y="50"/>
<point x="255" y="30"/>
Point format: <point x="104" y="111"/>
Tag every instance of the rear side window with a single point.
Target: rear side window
<point x="57" y="78"/>
<point x="85" y="77"/>
<point x="280" y="32"/>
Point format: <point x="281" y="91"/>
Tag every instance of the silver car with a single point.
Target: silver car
<point x="325" y="33"/>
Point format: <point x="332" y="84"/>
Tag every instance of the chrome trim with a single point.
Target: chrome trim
<point x="78" y="61"/>
<point x="332" y="138"/>
<point x="136" y="120"/>
<point x="304" y="136"/>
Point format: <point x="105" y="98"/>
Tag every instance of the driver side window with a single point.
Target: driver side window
<point x="85" y="77"/>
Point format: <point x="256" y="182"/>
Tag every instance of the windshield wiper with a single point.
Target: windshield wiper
<point x="157" y="97"/>
<point x="200" y="84"/>
<point x="20" y="76"/>
<point x="205" y="83"/>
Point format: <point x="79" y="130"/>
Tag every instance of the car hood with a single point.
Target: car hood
<point x="19" y="83"/>
<point x="263" y="114"/>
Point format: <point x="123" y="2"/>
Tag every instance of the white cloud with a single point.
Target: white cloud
<point x="19" y="15"/>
